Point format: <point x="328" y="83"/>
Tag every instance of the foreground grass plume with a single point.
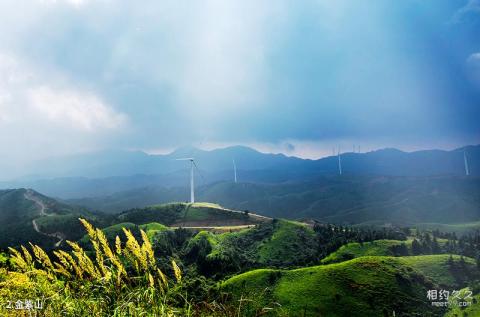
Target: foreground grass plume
<point x="125" y="281"/>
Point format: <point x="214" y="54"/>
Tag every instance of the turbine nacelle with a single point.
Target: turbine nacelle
<point x="185" y="159"/>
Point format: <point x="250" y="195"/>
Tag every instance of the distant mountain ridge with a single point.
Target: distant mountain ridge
<point x="349" y="199"/>
<point x="107" y="172"/>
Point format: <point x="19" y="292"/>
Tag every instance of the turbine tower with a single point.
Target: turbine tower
<point x="192" y="165"/>
<point x="234" y="170"/>
<point x="465" y="161"/>
<point x="339" y="162"/>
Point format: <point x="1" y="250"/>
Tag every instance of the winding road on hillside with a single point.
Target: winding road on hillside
<point x="29" y="196"/>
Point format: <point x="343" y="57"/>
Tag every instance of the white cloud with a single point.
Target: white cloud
<point x="81" y="111"/>
<point x="27" y="94"/>
<point x="41" y="114"/>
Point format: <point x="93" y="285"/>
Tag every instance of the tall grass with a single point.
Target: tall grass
<point x="123" y="281"/>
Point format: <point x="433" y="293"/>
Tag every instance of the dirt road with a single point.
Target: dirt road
<point x="58" y="235"/>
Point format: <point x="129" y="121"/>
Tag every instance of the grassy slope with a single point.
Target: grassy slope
<point x="284" y="242"/>
<point x="186" y="215"/>
<point x="16" y="215"/>
<point x="377" y="247"/>
<point x="277" y="243"/>
<point x="355" y="250"/>
<point x="17" y="212"/>
<point x="435" y="267"/>
<point x="361" y="287"/>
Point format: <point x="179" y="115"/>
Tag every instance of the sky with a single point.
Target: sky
<point x="280" y="76"/>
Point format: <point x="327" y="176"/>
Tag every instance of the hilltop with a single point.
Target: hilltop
<point x="367" y="286"/>
<point x="190" y="215"/>
<point x="196" y="216"/>
<point x="278" y="243"/>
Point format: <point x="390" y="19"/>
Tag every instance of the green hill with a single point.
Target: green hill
<point x="159" y="218"/>
<point x="149" y="228"/>
<point x="280" y="243"/>
<point x="377" y="248"/>
<point x="28" y="216"/>
<point x="190" y="215"/>
<point x="367" y="286"/>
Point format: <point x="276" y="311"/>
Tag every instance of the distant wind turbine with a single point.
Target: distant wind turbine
<point x="192" y="165"/>
<point x="339" y="162"/>
<point x="465" y="161"/>
<point x="234" y="170"/>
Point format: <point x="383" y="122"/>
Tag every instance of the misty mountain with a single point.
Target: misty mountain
<point x="105" y="173"/>
<point x="125" y="163"/>
<point x="333" y="199"/>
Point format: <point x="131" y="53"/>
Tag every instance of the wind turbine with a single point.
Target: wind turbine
<point x="192" y="165"/>
<point x="465" y="161"/>
<point x="234" y="170"/>
<point x="339" y="162"/>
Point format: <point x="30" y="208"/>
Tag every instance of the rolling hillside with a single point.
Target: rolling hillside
<point x="279" y="243"/>
<point x="367" y="286"/>
<point x="197" y="216"/>
<point x="374" y="248"/>
<point x="28" y="216"/>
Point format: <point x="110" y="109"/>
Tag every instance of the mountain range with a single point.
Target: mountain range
<point x="109" y="172"/>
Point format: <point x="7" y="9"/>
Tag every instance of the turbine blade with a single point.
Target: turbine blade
<point x="198" y="170"/>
